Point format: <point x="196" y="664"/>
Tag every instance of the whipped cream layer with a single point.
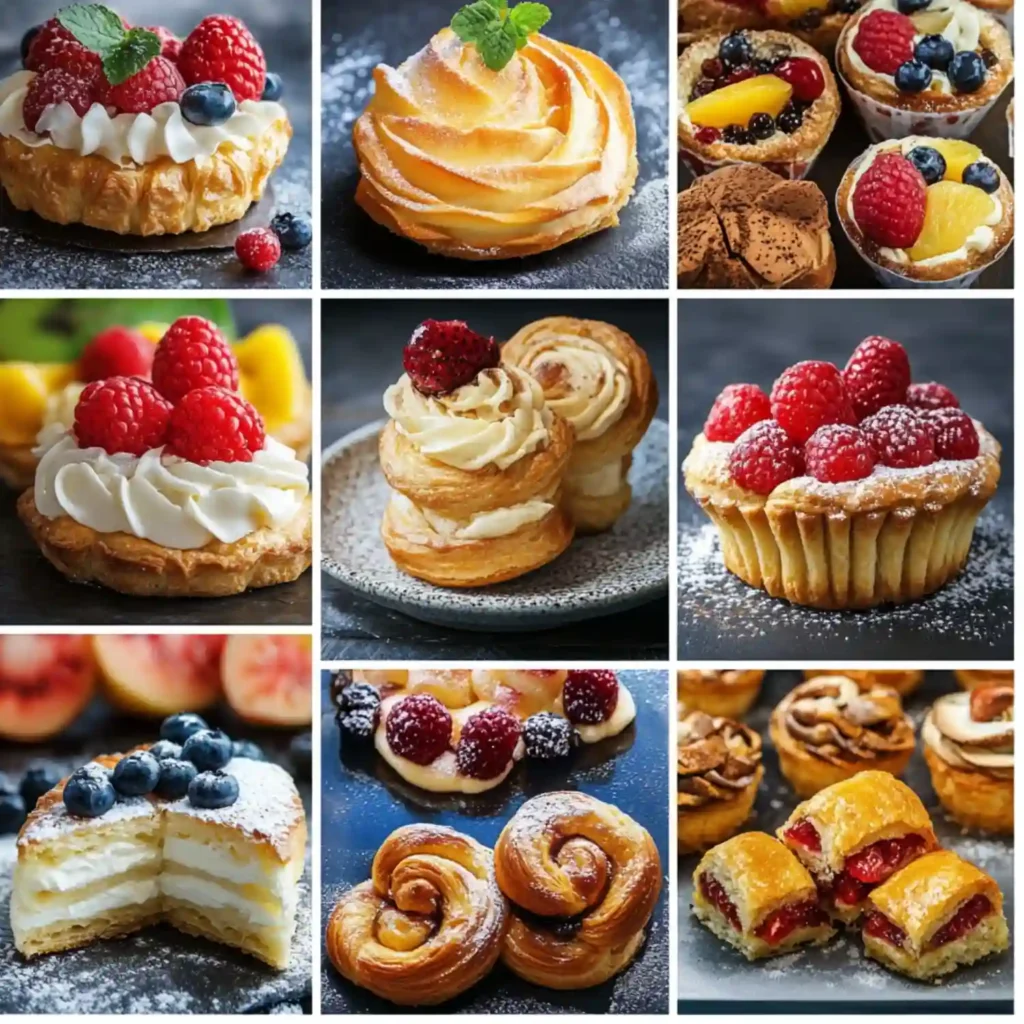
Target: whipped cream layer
<point x="41" y="913"/>
<point x="208" y="894"/>
<point x="84" y="868"/>
<point x="600" y="483"/>
<point x="227" y="865"/>
<point x="166" y="499"/>
<point x="127" y="139"/>
<point x="498" y="522"/>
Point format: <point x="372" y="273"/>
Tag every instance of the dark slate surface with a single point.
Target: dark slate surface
<point x="33" y="593"/>
<point x="362" y="342"/>
<point x="359" y="254"/>
<point x="363" y="801"/>
<point x="966" y="345"/>
<point x="34" y="254"/>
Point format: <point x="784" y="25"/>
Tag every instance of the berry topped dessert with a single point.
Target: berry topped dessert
<point x="923" y="67"/>
<point x="135" y="131"/>
<point x="755" y="97"/>
<point x="926" y="212"/>
<point x="844" y="488"/>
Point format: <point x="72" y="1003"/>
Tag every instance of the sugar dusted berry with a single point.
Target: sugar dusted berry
<point x="170" y="44"/>
<point x="889" y="201"/>
<point x="193" y="354"/>
<point x="877" y="374"/>
<point x="116" y="352"/>
<point x="165" y="750"/>
<point x="442" y="355"/>
<point x="735" y="49"/>
<point x="764" y="457"/>
<point x="809" y="395"/>
<point x="221" y="49"/>
<point x="487" y="743"/>
<point x="207" y="749"/>
<point x="954" y="432"/>
<point x="178" y="728"/>
<point x="52" y="87"/>
<point x="258" y="249"/>
<point x="900" y="437"/>
<point x="548" y="736"/>
<point x="590" y="696"/>
<point x="89" y="792"/>
<point x="175" y="777"/>
<point x="53" y="46"/>
<point x="738" y="407"/>
<point x="213" y="790"/>
<point x="213" y="424"/>
<point x="931" y="396"/>
<point x="419" y="728"/>
<point x="359" y="710"/>
<point x="136" y="774"/>
<point x="121" y="414"/>
<point x="839" y="453"/>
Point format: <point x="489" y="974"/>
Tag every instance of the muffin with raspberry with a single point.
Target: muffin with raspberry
<point x="136" y="131"/>
<point x="926" y="212"/>
<point x="844" y="488"/>
<point x="923" y="67"/>
<point x="764" y="98"/>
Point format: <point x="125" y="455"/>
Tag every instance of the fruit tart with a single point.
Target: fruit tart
<point x="968" y="746"/>
<point x="137" y="132"/>
<point x="755" y="97"/>
<point x="923" y="68"/>
<point x="171" y="487"/>
<point x="926" y="213"/>
<point x="903" y="681"/>
<point x="728" y="693"/>
<point x="971" y="678"/>
<point x="845" y="488"/>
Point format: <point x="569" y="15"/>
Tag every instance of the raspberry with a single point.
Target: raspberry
<point x="548" y="736"/>
<point x="764" y="457"/>
<point x="487" y="743"/>
<point x="442" y="355"/>
<point x="931" y="396"/>
<point x="55" y="86"/>
<point x="55" y="47"/>
<point x="215" y="425"/>
<point x="221" y="49"/>
<point x="193" y="354"/>
<point x="954" y="432"/>
<point x="900" y="437"/>
<point x="419" y="728"/>
<point x="116" y="352"/>
<point x="258" y="249"/>
<point x="837" y="453"/>
<point x="158" y="82"/>
<point x="810" y="395"/>
<point x="889" y="200"/>
<point x="121" y="414"/>
<point x="885" y="40"/>
<point x="170" y="44"/>
<point x="589" y="696"/>
<point x="877" y="375"/>
<point x="739" y="406"/>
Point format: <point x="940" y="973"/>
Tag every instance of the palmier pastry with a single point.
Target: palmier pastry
<point x="828" y="729"/>
<point x="903" y="681"/>
<point x="968" y="745"/>
<point x="969" y="679"/>
<point x="583" y="879"/>
<point x="933" y="916"/>
<point x="598" y="378"/>
<point x="856" y="834"/>
<point x="427" y="925"/>
<point x="728" y="693"/>
<point x="753" y="893"/>
<point x="719" y="769"/>
<point x="483" y="165"/>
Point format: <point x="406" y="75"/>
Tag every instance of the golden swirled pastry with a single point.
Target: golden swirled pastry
<point x="583" y="879"/>
<point x="427" y="925"/>
<point x="480" y="164"/>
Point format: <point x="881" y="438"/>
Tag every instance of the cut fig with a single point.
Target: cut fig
<point x="268" y="680"/>
<point x="160" y="675"/>
<point x="45" y="682"/>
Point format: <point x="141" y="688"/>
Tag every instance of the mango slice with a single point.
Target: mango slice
<point x="24" y="388"/>
<point x="271" y="375"/>
<point x="952" y="211"/>
<point x="737" y="103"/>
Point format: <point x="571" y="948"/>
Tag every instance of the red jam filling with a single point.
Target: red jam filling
<point x="803" y="833"/>
<point x="880" y="927"/>
<point x="785" y="920"/>
<point x="969" y="916"/>
<point x="873" y="865"/>
<point x="714" y="893"/>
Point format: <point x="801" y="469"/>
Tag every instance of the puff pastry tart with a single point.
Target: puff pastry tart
<point x="935" y="915"/>
<point x="725" y="693"/>
<point x="427" y="925"/>
<point x="968" y="746"/>
<point x="970" y="679"/>
<point x="483" y="165"/>
<point x="583" y="879"/>
<point x="828" y="729"/>
<point x="856" y="834"/>
<point x="598" y="379"/>
<point x="753" y="893"/>
<point x="903" y="681"/>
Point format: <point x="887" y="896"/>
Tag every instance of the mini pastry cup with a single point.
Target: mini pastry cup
<point x="700" y="828"/>
<point x="721" y="700"/>
<point x="17" y="465"/>
<point x="972" y="799"/>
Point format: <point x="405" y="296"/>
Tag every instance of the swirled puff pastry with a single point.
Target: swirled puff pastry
<point x="596" y="377"/>
<point x="482" y="165"/>
<point x="583" y="879"/>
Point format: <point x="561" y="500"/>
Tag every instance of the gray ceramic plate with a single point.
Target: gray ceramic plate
<point x="620" y="569"/>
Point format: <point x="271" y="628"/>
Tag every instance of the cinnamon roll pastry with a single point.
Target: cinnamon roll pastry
<point x="429" y="923"/>
<point x="828" y="729"/>
<point x="583" y="879"/>
<point x="903" y="681"/>
<point x="728" y="693"/>
<point x="968" y="746"/>
<point x="969" y="679"/>
<point x="598" y="378"/>
<point x="718" y="766"/>
<point x="485" y="165"/>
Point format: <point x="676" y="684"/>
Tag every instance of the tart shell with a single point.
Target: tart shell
<point x="704" y="16"/>
<point x="701" y="828"/>
<point x="973" y="799"/>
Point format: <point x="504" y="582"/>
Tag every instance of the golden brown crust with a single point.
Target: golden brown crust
<point x="595" y="514"/>
<point x="726" y="693"/>
<point x="972" y="799"/>
<point x="903" y="681"/>
<point x="971" y="679"/>
<point x="153" y="199"/>
<point x="130" y="565"/>
<point x="17" y="465"/>
<point x="699" y="17"/>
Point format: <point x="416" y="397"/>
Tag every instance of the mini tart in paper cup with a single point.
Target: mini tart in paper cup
<point x="894" y="268"/>
<point x="938" y="111"/>
<point x="1001" y="10"/>
<point x="788" y="155"/>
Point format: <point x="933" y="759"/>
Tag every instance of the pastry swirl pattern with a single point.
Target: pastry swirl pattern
<point x="973" y="740"/>
<point x="716" y="759"/>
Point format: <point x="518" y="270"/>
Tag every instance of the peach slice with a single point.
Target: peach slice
<point x="268" y="680"/>
<point x="24" y="389"/>
<point x="952" y="212"/>
<point x="958" y="154"/>
<point x="737" y="103"/>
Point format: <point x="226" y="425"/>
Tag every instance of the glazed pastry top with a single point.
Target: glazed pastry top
<point x="974" y="731"/>
<point x="716" y="759"/>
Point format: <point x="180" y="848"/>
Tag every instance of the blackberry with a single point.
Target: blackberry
<point x="737" y="135"/>
<point x="790" y="120"/>
<point x="359" y="696"/>
<point x="360" y="723"/>
<point x="549" y="736"/>
<point x="761" y="126"/>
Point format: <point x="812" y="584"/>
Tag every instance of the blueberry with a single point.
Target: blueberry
<point x="248" y="750"/>
<point x="735" y="49"/>
<point x="136" y="774"/>
<point x="967" y="71"/>
<point x="39" y="779"/>
<point x="935" y="51"/>
<point x="982" y="175"/>
<point x="548" y="736"/>
<point x="274" y="89"/>
<point x="211" y="790"/>
<point x="89" y="792"/>
<point x="295" y="232"/>
<point x="913" y="76"/>
<point x="790" y="119"/>
<point x="178" y="728"/>
<point x="737" y="135"/>
<point x="207" y="749"/>
<point x="761" y="126"/>
<point x="164" y="749"/>
<point x="26" y="42"/>
<point x="207" y="103"/>
<point x="175" y="777"/>
<point x="301" y="753"/>
<point x="911" y="6"/>
<point x="930" y="162"/>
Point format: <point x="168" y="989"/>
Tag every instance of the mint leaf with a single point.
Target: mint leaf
<point x="138" y="47"/>
<point x="497" y="44"/>
<point x="96" y="27"/>
<point x="499" y="5"/>
<point x="529" y="18"/>
<point x="470" y="21"/>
